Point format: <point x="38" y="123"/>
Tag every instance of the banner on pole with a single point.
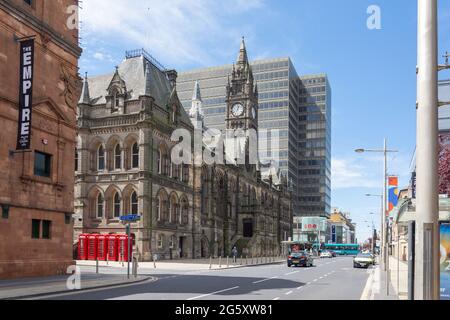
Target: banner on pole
<point x="393" y="193"/>
<point x="25" y="94"/>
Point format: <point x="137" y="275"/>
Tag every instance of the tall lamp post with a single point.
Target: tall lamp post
<point x="384" y="220"/>
<point x="426" y="280"/>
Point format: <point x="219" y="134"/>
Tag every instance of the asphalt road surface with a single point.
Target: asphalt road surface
<point x="329" y="279"/>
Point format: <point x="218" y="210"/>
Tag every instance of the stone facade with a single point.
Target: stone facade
<point x="26" y="196"/>
<point x="191" y="210"/>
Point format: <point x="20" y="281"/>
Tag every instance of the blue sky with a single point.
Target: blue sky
<point x="372" y="72"/>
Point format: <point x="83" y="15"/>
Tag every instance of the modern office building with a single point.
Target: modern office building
<point x="297" y="109"/>
<point x="314" y="146"/>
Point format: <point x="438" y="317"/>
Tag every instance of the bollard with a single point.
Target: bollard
<point x="220" y="262"/>
<point x="241" y="261"/>
<point x="246" y="261"/>
<point x="210" y="262"/>
<point x="252" y="260"/>
<point x="154" y="261"/>
<point x="228" y="264"/>
<point x="134" y="267"/>
<point x="96" y="265"/>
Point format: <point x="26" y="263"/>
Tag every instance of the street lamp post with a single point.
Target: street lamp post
<point x="427" y="201"/>
<point x="385" y="221"/>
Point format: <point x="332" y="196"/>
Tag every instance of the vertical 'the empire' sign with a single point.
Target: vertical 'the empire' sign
<point x="25" y="94"/>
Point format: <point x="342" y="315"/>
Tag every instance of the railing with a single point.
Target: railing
<point x="141" y="52"/>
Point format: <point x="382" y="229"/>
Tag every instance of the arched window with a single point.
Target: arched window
<point x="159" y="162"/>
<point x="184" y="212"/>
<point x="158" y="208"/>
<point x="101" y="158"/>
<point x="170" y="211"/>
<point x="117" y="157"/>
<point x="116" y="205"/>
<point x="160" y="241"/>
<point x="185" y="173"/>
<point x="100" y="206"/>
<point x="135" y="156"/>
<point x="116" y="100"/>
<point x="167" y="165"/>
<point x="134" y="203"/>
<point x="76" y="160"/>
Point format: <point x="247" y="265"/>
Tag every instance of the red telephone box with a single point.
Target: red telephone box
<point x="123" y="248"/>
<point x="82" y="247"/>
<point x="102" y="247"/>
<point x="112" y="247"/>
<point x="92" y="246"/>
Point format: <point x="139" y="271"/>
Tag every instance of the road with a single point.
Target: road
<point x="329" y="279"/>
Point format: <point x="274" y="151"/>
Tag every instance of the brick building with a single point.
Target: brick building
<point x="36" y="185"/>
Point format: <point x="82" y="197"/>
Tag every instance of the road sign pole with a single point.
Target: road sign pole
<point x="129" y="250"/>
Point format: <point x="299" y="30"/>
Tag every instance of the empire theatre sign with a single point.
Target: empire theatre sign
<point x="25" y="94"/>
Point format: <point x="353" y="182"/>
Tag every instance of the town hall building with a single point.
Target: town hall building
<point x="191" y="210"/>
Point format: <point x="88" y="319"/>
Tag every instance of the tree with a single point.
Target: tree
<point x="444" y="164"/>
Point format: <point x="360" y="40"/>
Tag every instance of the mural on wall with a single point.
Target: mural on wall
<point x="444" y="163"/>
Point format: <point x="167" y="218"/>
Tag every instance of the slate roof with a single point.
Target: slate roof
<point x="133" y="71"/>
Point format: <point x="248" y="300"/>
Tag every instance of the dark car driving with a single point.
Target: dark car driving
<point x="300" y="259"/>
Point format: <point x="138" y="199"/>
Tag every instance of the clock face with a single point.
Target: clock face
<point x="238" y="110"/>
<point x="254" y="113"/>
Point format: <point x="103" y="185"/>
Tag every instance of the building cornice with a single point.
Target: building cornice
<point x="40" y="27"/>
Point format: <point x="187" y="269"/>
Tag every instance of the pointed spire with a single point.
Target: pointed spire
<point x="85" y="96"/>
<point x="196" y="112"/>
<point x="197" y="95"/>
<point x="242" y="58"/>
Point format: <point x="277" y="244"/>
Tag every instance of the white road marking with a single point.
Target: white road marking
<point x="300" y="287"/>
<point x="265" y="280"/>
<point x="288" y="293"/>
<point x="288" y="274"/>
<point x="314" y="280"/>
<point x="212" y="293"/>
<point x="277" y="298"/>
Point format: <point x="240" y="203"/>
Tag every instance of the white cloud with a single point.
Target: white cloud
<point x="99" y="56"/>
<point x="348" y="173"/>
<point x="174" y="29"/>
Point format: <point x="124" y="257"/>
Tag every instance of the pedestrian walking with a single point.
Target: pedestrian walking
<point x="234" y="253"/>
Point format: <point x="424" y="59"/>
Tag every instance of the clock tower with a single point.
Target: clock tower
<point x="242" y="95"/>
<point x="242" y="111"/>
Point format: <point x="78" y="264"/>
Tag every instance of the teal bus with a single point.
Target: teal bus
<point x="345" y="249"/>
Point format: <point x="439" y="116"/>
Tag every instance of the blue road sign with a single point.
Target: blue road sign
<point x="130" y="217"/>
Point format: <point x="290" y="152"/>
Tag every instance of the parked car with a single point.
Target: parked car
<point x="363" y="260"/>
<point x="302" y="259"/>
<point x="326" y="254"/>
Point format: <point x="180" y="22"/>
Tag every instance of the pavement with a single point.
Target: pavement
<point x="329" y="279"/>
<point x="377" y="287"/>
<point x="189" y="264"/>
<point x="35" y="287"/>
